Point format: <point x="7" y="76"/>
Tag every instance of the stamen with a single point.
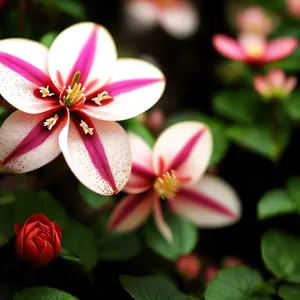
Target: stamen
<point x="100" y="97"/>
<point x="86" y="128"/>
<point x="45" y="91"/>
<point x="167" y="185"/>
<point x="51" y="122"/>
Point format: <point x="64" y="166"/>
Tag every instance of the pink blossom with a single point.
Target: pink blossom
<point x="274" y="85"/>
<point x="210" y="273"/>
<point x="231" y="261"/>
<point x="254" y="20"/>
<point x="293" y="7"/>
<point x="189" y="266"/>
<point x="173" y="171"/>
<point x="179" y="18"/>
<point x="254" y="49"/>
<point x="155" y="119"/>
<point x="68" y="98"/>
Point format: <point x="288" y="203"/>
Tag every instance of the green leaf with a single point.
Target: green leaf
<point x="281" y="255"/>
<point x="3" y="240"/>
<point x="150" y="288"/>
<point x="115" y="246"/>
<point x="135" y="126"/>
<point x="220" y="140"/>
<point x="48" y="38"/>
<point x="65" y="254"/>
<point x="275" y="203"/>
<point x="82" y="242"/>
<point x="185" y="237"/>
<point x="43" y="293"/>
<point x="293" y="189"/>
<point x="234" y="283"/>
<point x="260" y="139"/>
<point x="31" y="202"/>
<point x="73" y="8"/>
<point x="7" y="197"/>
<point x="292" y="105"/>
<point x="242" y="106"/>
<point x="92" y="199"/>
<point x="7" y="220"/>
<point x="289" y="292"/>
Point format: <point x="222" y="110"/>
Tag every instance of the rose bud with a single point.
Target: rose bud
<point x="38" y="240"/>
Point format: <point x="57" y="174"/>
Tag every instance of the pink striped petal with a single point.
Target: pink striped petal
<point x="140" y="14"/>
<point x="160" y="221"/>
<point x="131" y="212"/>
<point x="185" y="147"/>
<point x="23" y="69"/>
<point x="261" y="85"/>
<point x="228" y="47"/>
<point x="101" y="161"/>
<point x="211" y="203"/>
<point x="280" y="48"/>
<point x="26" y="144"/>
<point x="135" y="87"/>
<point x="180" y="20"/>
<point x="87" y="48"/>
<point x="142" y="175"/>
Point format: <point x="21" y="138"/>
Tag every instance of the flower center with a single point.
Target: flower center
<point x="255" y="50"/>
<point x="167" y="185"/>
<point x="74" y="93"/>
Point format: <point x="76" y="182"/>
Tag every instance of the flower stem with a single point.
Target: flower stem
<point x="274" y="119"/>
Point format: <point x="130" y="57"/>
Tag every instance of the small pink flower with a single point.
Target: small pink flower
<point x="254" y="49"/>
<point x="293" y="6"/>
<point x="179" y="18"/>
<point x="275" y="85"/>
<point x="155" y="119"/>
<point x="254" y="20"/>
<point x="189" y="266"/>
<point x="68" y="98"/>
<point x="173" y="171"/>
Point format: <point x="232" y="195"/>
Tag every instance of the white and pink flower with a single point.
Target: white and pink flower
<point x="293" y="7"/>
<point x="254" y="49"/>
<point x="68" y="98"/>
<point x="179" y="18"/>
<point x="255" y="20"/>
<point x="274" y="85"/>
<point x="173" y="171"/>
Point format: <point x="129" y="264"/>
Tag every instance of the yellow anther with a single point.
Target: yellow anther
<point x="45" y="91"/>
<point x="100" y="97"/>
<point x="86" y="128"/>
<point x="51" y="122"/>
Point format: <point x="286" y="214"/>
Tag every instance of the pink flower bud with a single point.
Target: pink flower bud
<point x="155" y="119"/>
<point x="231" y="261"/>
<point x="189" y="266"/>
<point x="274" y="85"/>
<point x="210" y="273"/>
<point x="255" y="20"/>
<point x="293" y="7"/>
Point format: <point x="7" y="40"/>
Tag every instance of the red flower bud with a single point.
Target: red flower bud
<point x="189" y="266"/>
<point x="38" y="240"/>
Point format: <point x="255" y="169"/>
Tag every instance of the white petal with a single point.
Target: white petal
<point x="186" y="148"/>
<point x="211" y="203"/>
<point x="87" y="48"/>
<point x="101" y="161"/>
<point x="135" y="87"/>
<point x="23" y="69"/>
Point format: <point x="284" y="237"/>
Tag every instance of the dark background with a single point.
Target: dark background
<point x="189" y="67"/>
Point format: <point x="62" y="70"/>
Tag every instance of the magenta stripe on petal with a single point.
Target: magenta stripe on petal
<point x="36" y="137"/>
<point x="95" y="150"/>
<point x="125" y="86"/>
<point x="201" y="199"/>
<point x="85" y="59"/>
<point x="130" y="206"/>
<point x="183" y="155"/>
<point x="24" y="69"/>
<point x="140" y="170"/>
